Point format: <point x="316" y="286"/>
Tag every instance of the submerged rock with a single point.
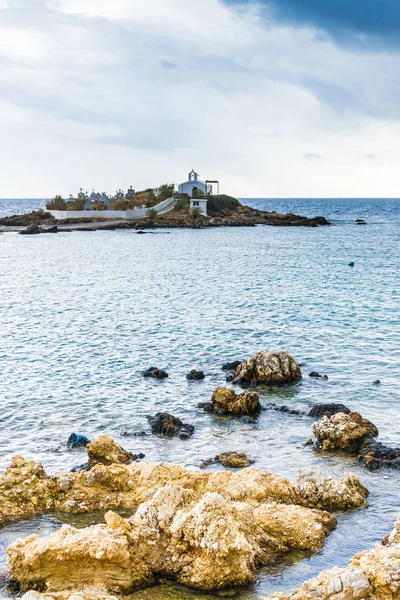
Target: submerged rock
<point x="267" y="368"/>
<point x="329" y="409"/>
<point x="155" y="373"/>
<point x="234" y="460"/>
<point x="195" y="375"/>
<point x="316" y="375"/>
<point x="167" y="425"/>
<point x="231" y="366"/>
<point x="370" y="575"/>
<point x="226" y="402"/>
<point x="343" y="431"/>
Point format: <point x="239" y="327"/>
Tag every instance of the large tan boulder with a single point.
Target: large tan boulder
<point x="267" y="368"/>
<point x="343" y="431"/>
<point x="370" y="575"/>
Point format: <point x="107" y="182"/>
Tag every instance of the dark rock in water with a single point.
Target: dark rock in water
<point x="135" y="434"/>
<point x="226" y="402"/>
<point x="377" y="382"/>
<point x="284" y="409"/>
<point x="77" y="441"/>
<point x="321" y="410"/>
<point x="360" y="222"/>
<point x="375" y="455"/>
<point x="316" y="375"/>
<point x="53" y="229"/>
<point x="167" y="425"/>
<point x="155" y="373"/>
<point x="195" y="375"/>
<point x="234" y="460"/>
<point x="231" y="366"/>
<point x="309" y="442"/>
<point x="85" y="467"/>
<point x="351" y="264"/>
<point x="35" y="229"/>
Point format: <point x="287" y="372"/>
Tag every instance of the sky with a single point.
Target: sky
<point x="274" y="98"/>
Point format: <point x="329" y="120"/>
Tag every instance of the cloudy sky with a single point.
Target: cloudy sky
<point x="274" y="98"/>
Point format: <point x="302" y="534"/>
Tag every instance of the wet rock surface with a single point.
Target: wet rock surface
<point x="234" y="460"/>
<point x="35" y="230"/>
<point x="226" y="402"/>
<point x="194" y="375"/>
<point x="343" y="431"/>
<point x="375" y="455"/>
<point x="167" y="425"/>
<point x="155" y="373"/>
<point x="329" y="409"/>
<point x="316" y="375"/>
<point x="267" y="368"/>
<point x="103" y="450"/>
<point x="231" y="366"/>
<point x="370" y="575"/>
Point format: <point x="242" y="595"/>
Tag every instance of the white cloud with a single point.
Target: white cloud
<point x="110" y="93"/>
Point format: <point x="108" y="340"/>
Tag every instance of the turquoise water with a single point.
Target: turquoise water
<point x="83" y="314"/>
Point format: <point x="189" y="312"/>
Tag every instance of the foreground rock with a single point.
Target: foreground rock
<point x="167" y="425"/>
<point x="267" y="368"/>
<point x="226" y="402"/>
<point x="155" y="373"/>
<point x="234" y="460"/>
<point x="370" y="575"/>
<point x="104" y="451"/>
<point x="343" y="431"/>
<point x="35" y="230"/>
<point x="26" y="490"/>
<point x="207" y="530"/>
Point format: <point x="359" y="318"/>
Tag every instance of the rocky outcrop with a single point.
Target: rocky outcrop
<point x="32" y="595"/>
<point x="226" y="402"/>
<point x="316" y="375"/>
<point x="234" y="460"/>
<point x="167" y="425"/>
<point x="26" y="490"/>
<point x="370" y="575"/>
<point x="267" y="368"/>
<point x="327" y="410"/>
<point x="194" y="375"/>
<point x="155" y="373"/>
<point x="326" y="492"/>
<point x="206" y="543"/>
<point x="343" y="431"/>
<point x="39" y="217"/>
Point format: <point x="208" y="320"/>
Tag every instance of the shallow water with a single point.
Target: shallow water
<point x="83" y="314"/>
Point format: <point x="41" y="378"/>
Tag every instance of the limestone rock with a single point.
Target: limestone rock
<point x="167" y="425"/>
<point x="234" y="460"/>
<point x="207" y="543"/>
<point x="226" y="402"/>
<point x="267" y="368"/>
<point x="370" y="575"/>
<point x="330" y="493"/>
<point x="343" y="431"/>
<point x="26" y="490"/>
<point x="103" y="450"/>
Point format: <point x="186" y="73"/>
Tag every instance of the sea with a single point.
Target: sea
<point x="83" y="314"/>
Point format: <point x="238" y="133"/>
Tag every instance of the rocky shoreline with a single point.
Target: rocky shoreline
<point x="239" y="216"/>
<point x="208" y="530"/>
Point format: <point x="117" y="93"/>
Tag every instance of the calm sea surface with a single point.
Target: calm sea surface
<point x="83" y="314"/>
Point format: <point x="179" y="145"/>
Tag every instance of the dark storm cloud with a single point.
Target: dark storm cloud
<point x="346" y="20"/>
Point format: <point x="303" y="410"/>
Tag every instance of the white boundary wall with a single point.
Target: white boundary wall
<point x="139" y="213"/>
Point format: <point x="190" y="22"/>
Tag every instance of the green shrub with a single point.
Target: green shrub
<point x="180" y="203"/>
<point x="152" y="214"/>
<point x="196" y="213"/>
<point x="165" y="191"/>
<point x="57" y="204"/>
